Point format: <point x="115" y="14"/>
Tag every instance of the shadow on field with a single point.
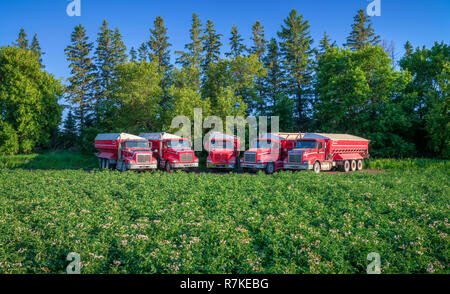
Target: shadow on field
<point x="50" y="161"/>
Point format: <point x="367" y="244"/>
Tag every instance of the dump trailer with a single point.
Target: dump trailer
<point x="268" y="152"/>
<point x="124" y="152"/>
<point x="324" y="152"/>
<point x="223" y="151"/>
<point x="171" y="151"/>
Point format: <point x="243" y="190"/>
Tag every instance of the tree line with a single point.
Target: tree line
<point x="358" y="88"/>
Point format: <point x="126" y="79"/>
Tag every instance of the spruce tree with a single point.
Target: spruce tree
<point x="296" y="53"/>
<point x="211" y="45"/>
<point x="236" y="45"/>
<point x="133" y="55"/>
<point x="69" y="132"/>
<point x="22" y="41"/>
<point x="109" y="53"/>
<point x="80" y="91"/>
<point x="408" y="49"/>
<point x="259" y="41"/>
<point x="362" y="33"/>
<point x="143" y="52"/>
<point x="193" y="54"/>
<point x="325" y="44"/>
<point x="273" y="81"/>
<point x="159" y="45"/>
<point x="36" y="48"/>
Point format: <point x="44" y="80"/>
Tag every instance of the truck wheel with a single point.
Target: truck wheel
<point x="353" y="165"/>
<point x="360" y="164"/>
<point x="123" y="168"/>
<point x="346" y="166"/>
<point x="316" y="167"/>
<point x="169" y="168"/>
<point x="270" y="168"/>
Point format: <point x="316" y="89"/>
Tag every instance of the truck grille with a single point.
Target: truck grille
<point x="186" y="157"/>
<point x="295" y="158"/>
<point x="250" y="157"/>
<point x="144" y="158"/>
<point x="220" y="157"/>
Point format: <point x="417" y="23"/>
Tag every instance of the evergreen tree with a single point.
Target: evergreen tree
<point x="193" y="55"/>
<point x="211" y="45"/>
<point x="159" y="45"/>
<point x="273" y="82"/>
<point x="408" y="49"/>
<point x="119" y="48"/>
<point x="237" y="47"/>
<point x="80" y="90"/>
<point x="362" y="33"/>
<point x="296" y="53"/>
<point x="259" y="41"/>
<point x="133" y="55"/>
<point x="325" y="44"/>
<point x="36" y="48"/>
<point x="109" y="53"/>
<point x="143" y="52"/>
<point x="69" y="132"/>
<point x="22" y="41"/>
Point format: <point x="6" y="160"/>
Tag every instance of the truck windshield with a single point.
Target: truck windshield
<point x="178" y="144"/>
<point x="306" y="144"/>
<point x="137" y="144"/>
<point x="263" y="144"/>
<point x="221" y="144"/>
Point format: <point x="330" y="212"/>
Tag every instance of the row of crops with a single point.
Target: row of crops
<point x="156" y="222"/>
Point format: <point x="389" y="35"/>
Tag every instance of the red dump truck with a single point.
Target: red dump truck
<point x="324" y="152"/>
<point x="171" y="151"/>
<point x="124" y="152"/>
<point x="223" y="151"/>
<point x="268" y="152"/>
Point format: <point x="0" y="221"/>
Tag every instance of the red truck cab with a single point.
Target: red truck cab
<point x="268" y="152"/>
<point x="171" y="151"/>
<point x="223" y="151"/>
<point x="124" y="152"/>
<point x="319" y="152"/>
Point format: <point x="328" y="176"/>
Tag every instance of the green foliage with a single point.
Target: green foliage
<point x="259" y="42"/>
<point x="109" y="53"/>
<point x="28" y="102"/>
<point x="50" y="161"/>
<point x="360" y="93"/>
<point x="236" y="44"/>
<point x="22" y="41"/>
<point x="296" y="55"/>
<point x="159" y="45"/>
<point x="211" y="45"/>
<point x="362" y="33"/>
<point x="230" y="223"/>
<point x="194" y="50"/>
<point x="429" y="106"/>
<point x="80" y="91"/>
<point x="137" y="96"/>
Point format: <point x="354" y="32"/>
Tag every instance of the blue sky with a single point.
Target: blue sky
<point x="421" y="22"/>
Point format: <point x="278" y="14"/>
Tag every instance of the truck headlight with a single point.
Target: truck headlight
<point x="175" y="161"/>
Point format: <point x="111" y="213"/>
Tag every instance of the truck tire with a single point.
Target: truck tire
<point x="360" y="164"/>
<point x="100" y="161"/>
<point x="345" y="167"/>
<point x="353" y="165"/>
<point x="123" y="167"/>
<point x="316" y="167"/>
<point x="169" y="168"/>
<point x="270" y="168"/>
<point x="107" y="164"/>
